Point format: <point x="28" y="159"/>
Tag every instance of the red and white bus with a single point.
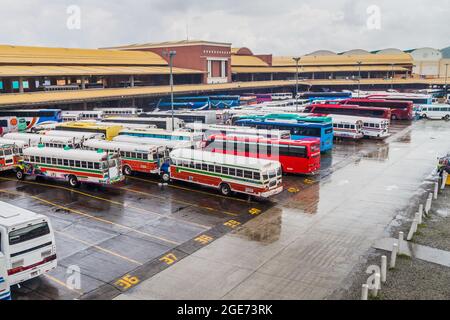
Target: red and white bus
<point x="401" y="110"/>
<point x="9" y="156"/>
<point x="348" y="127"/>
<point x="297" y="157"/>
<point x="349" y="110"/>
<point x="135" y="157"/>
<point x="227" y="173"/>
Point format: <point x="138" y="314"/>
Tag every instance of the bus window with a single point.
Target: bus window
<point x="28" y="233"/>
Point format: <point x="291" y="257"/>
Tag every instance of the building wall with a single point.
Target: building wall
<point x="427" y="61"/>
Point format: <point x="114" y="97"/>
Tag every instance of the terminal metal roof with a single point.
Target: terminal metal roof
<point x="247" y="61"/>
<point x="52" y="70"/>
<point x="65" y="56"/>
<point x="181" y="43"/>
<point x="315" y="69"/>
<point x="338" y="60"/>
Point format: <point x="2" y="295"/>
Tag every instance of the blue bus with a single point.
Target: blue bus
<point x="186" y="103"/>
<point x="325" y="96"/>
<point x="225" y="102"/>
<point x="5" y="293"/>
<point x="33" y="117"/>
<point x="299" y="130"/>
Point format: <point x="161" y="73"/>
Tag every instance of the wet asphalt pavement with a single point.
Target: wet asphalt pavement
<point x="121" y="237"/>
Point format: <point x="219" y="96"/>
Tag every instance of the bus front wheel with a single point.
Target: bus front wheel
<point x="73" y="181"/>
<point x="447" y="117"/>
<point x="20" y="175"/>
<point x="165" y="177"/>
<point x="225" y="189"/>
<point x="127" y="171"/>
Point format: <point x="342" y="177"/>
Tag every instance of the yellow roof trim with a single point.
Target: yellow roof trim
<point x="247" y="61"/>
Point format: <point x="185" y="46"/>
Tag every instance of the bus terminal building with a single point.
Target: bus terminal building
<point x="39" y="76"/>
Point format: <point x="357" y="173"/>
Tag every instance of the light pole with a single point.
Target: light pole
<point x="297" y="60"/>
<point x="171" y="54"/>
<point x="359" y="77"/>
<point x="446" y="81"/>
<point x="392" y="83"/>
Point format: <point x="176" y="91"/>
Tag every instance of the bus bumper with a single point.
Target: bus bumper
<point x="33" y="273"/>
<point x="271" y="193"/>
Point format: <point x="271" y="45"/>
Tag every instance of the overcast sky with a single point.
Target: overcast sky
<point x="284" y="27"/>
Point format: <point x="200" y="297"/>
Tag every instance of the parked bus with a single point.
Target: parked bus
<point x="81" y="135"/>
<point x="9" y="124"/>
<point x="160" y="123"/>
<point x="435" y="111"/>
<point x="71" y="117"/>
<point x="72" y="165"/>
<point x="206" y="117"/>
<point x="169" y="144"/>
<point x="82" y="115"/>
<point x="282" y="96"/>
<point x="371" y="127"/>
<point x="297" y="157"/>
<point x="287" y="116"/>
<point x="120" y="112"/>
<point x="135" y="157"/>
<point x="185" y="103"/>
<point x="5" y="292"/>
<point x="348" y="127"/>
<point x="248" y="100"/>
<point x="260" y="97"/>
<point x="28" y="243"/>
<point x="401" y="110"/>
<point x="195" y="138"/>
<point x="298" y="130"/>
<point x="227" y="173"/>
<point x="34" y="140"/>
<point x="413" y="97"/>
<point x="20" y="145"/>
<point x="34" y="117"/>
<point x="209" y="130"/>
<point x="349" y="110"/>
<point x="108" y="131"/>
<point x="320" y="96"/>
<point x="9" y="156"/>
<point x="224" y="102"/>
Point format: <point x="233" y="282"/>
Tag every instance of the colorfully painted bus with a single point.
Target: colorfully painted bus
<point x="287" y="116"/>
<point x="5" y="292"/>
<point x="260" y="97"/>
<point x="298" y="130"/>
<point x="321" y="96"/>
<point x="9" y="124"/>
<point x="28" y="243"/>
<point x="296" y="157"/>
<point x="209" y="130"/>
<point x="227" y="173"/>
<point x="34" y="117"/>
<point x="108" y="131"/>
<point x="135" y="157"/>
<point x="159" y="123"/>
<point x="349" y="110"/>
<point x="34" y="140"/>
<point x="400" y="110"/>
<point x="72" y="165"/>
<point x="9" y="156"/>
<point x="195" y="138"/>
<point x="224" y="102"/>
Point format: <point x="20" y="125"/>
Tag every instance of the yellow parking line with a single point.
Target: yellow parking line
<point x="121" y="204"/>
<point x="100" y="248"/>
<point x="180" y="201"/>
<point x="62" y="284"/>
<point x="193" y="190"/>
<point x="92" y="217"/>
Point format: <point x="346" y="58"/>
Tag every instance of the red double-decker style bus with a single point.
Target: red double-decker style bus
<point x="401" y="110"/>
<point x="296" y="157"/>
<point x="349" y="110"/>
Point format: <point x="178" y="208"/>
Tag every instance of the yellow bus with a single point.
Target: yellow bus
<point x="109" y="131"/>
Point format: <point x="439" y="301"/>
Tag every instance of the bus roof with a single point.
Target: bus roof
<point x="154" y="142"/>
<point x="159" y="131"/>
<point x="224" y="159"/>
<point x="18" y="143"/>
<point x="287" y="124"/>
<point x="365" y="119"/>
<point x="38" y="138"/>
<point x="70" y="154"/>
<point x="346" y="106"/>
<point x="11" y="216"/>
<point x="116" y="145"/>
<point x="72" y="134"/>
<point x="302" y="142"/>
<point x="87" y="125"/>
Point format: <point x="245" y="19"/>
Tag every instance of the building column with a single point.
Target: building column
<point x="271" y="77"/>
<point x="313" y="76"/>
<point x="223" y="71"/>
<point x="83" y="83"/>
<point x="253" y="77"/>
<point x="21" y="90"/>
<point x="132" y="81"/>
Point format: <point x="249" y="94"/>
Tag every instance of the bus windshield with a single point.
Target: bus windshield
<point x="28" y="233"/>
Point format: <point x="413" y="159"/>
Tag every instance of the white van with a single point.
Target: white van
<point x="435" y="111"/>
<point x="5" y="293"/>
<point x="27" y="242"/>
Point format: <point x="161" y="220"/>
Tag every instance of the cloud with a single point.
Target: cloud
<point x="279" y="27"/>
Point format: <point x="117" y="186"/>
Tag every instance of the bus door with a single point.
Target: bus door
<point x="5" y="293"/>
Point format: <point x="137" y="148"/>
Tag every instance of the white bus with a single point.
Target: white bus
<point x="71" y="117"/>
<point x="282" y="96"/>
<point x="82" y="115"/>
<point x="169" y="144"/>
<point x="160" y="123"/>
<point x="227" y="173"/>
<point x="73" y="134"/>
<point x="28" y="243"/>
<point x="36" y="139"/>
<point x="435" y="111"/>
<point x="123" y="112"/>
<point x="5" y="292"/>
<point x="135" y="157"/>
<point x="72" y="165"/>
<point x="371" y="127"/>
<point x="348" y="127"/>
<point x="196" y="138"/>
<point x="209" y="130"/>
<point x="206" y="117"/>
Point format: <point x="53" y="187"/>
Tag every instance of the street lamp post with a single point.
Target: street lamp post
<point x="297" y="60"/>
<point x="359" y="77"/>
<point x="446" y="81"/>
<point x="392" y="83"/>
<point x="171" y="54"/>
